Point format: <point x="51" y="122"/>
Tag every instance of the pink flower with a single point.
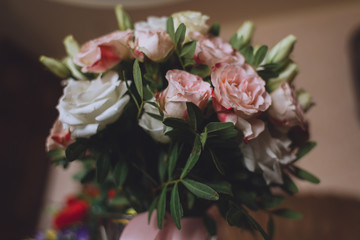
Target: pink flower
<point x="156" y="45"/>
<point x="183" y="87"/>
<point x="239" y="97"/>
<point x="214" y="50"/>
<point x="59" y="137"/>
<point x="103" y="53"/>
<point x="285" y="109"/>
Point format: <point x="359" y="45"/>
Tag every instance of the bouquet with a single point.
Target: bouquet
<point x="177" y="120"/>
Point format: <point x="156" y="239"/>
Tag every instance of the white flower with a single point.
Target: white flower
<point x="88" y="106"/>
<point x="152" y="23"/>
<point x="267" y="153"/>
<point x="194" y="22"/>
<point x="151" y="125"/>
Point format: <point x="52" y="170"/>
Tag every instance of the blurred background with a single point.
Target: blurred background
<point x="327" y="52"/>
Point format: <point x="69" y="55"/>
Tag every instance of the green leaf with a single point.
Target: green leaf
<point x="215" y="29"/>
<point x="202" y="70"/>
<point x="272" y="201"/>
<point x="102" y="167"/>
<point x="203" y="138"/>
<point x="248" y="52"/>
<point x="218" y="126"/>
<point x="170" y="28"/>
<point x="188" y="61"/>
<point x="287" y="213"/>
<point x="123" y="19"/>
<point x="289" y="186"/>
<point x="267" y="74"/>
<point x="305" y="175"/>
<point x="176" y="123"/>
<point x="193" y="158"/>
<point x="210" y="225"/>
<point x="188" y="49"/>
<point x="195" y="115"/>
<point x="180" y="34"/>
<point x="120" y="172"/>
<point x="260" y="55"/>
<point x="247" y="198"/>
<point x="151" y="208"/>
<point x="174" y="154"/>
<point x="138" y="78"/>
<point x="55" y="66"/>
<point x="155" y="116"/>
<point x="76" y="150"/>
<point x="271" y="228"/>
<point x="176" y="209"/>
<point x="162" y="166"/>
<point x="221" y="187"/>
<point x="200" y="190"/>
<point x="305" y="150"/>
<point x="161" y="207"/>
<point x="236" y="42"/>
<point x="217" y="163"/>
<point x="256" y="225"/>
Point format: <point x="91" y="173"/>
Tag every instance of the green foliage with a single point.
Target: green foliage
<point x="272" y="201"/>
<point x="287" y="213"/>
<point x="120" y="172"/>
<point x="174" y="154"/>
<point x="170" y="28"/>
<point x="138" y="79"/>
<point x="305" y="150"/>
<point x="195" y="115"/>
<point x="210" y="225"/>
<point x="180" y="35"/>
<point x="289" y="186"/>
<point x="259" y="56"/>
<point x="76" y="150"/>
<point x="201" y="70"/>
<point x="161" y="207"/>
<point x="176" y="209"/>
<point x="200" y="190"/>
<point x="193" y="158"/>
<point x="102" y="167"/>
<point x="221" y="187"/>
<point x="304" y="175"/>
<point x="215" y="29"/>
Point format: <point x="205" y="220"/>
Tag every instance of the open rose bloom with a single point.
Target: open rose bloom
<point x="175" y="120"/>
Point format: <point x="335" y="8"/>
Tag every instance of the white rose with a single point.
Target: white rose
<point x="88" y="106"/>
<point x="151" y="125"/>
<point x="194" y="22"/>
<point x="267" y="153"/>
<point x="152" y="23"/>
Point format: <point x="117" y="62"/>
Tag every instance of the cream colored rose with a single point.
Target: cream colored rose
<point x="194" y="22"/>
<point x="183" y="87"/>
<point x="152" y="23"/>
<point x="88" y="106"/>
<point x="239" y="96"/>
<point x="156" y="45"/>
<point x="285" y="109"/>
<point x="268" y="154"/>
<point x="151" y="125"/>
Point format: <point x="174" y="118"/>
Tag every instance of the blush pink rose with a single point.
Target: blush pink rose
<point x="239" y="97"/>
<point x="59" y="137"/>
<point x="210" y="51"/>
<point x="183" y="87"/>
<point x="285" y="109"/>
<point x="103" y="53"/>
<point x="156" y="45"/>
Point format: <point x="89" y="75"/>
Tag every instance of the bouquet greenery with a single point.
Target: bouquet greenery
<point x="176" y="120"/>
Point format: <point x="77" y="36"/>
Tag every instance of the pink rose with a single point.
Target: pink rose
<point x="156" y="45"/>
<point x="239" y="97"/>
<point x="59" y="137"/>
<point x="285" y="109"/>
<point x="103" y="53"/>
<point x="214" y="50"/>
<point x="183" y="87"/>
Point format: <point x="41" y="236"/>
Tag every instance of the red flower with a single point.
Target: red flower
<point x="76" y="211"/>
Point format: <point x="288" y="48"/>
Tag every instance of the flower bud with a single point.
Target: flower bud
<point x="71" y="46"/>
<point x="55" y="66"/>
<point x="123" y="19"/>
<point x="305" y="99"/>
<point x="246" y="31"/>
<point x="286" y="75"/>
<point x="281" y="51"/>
